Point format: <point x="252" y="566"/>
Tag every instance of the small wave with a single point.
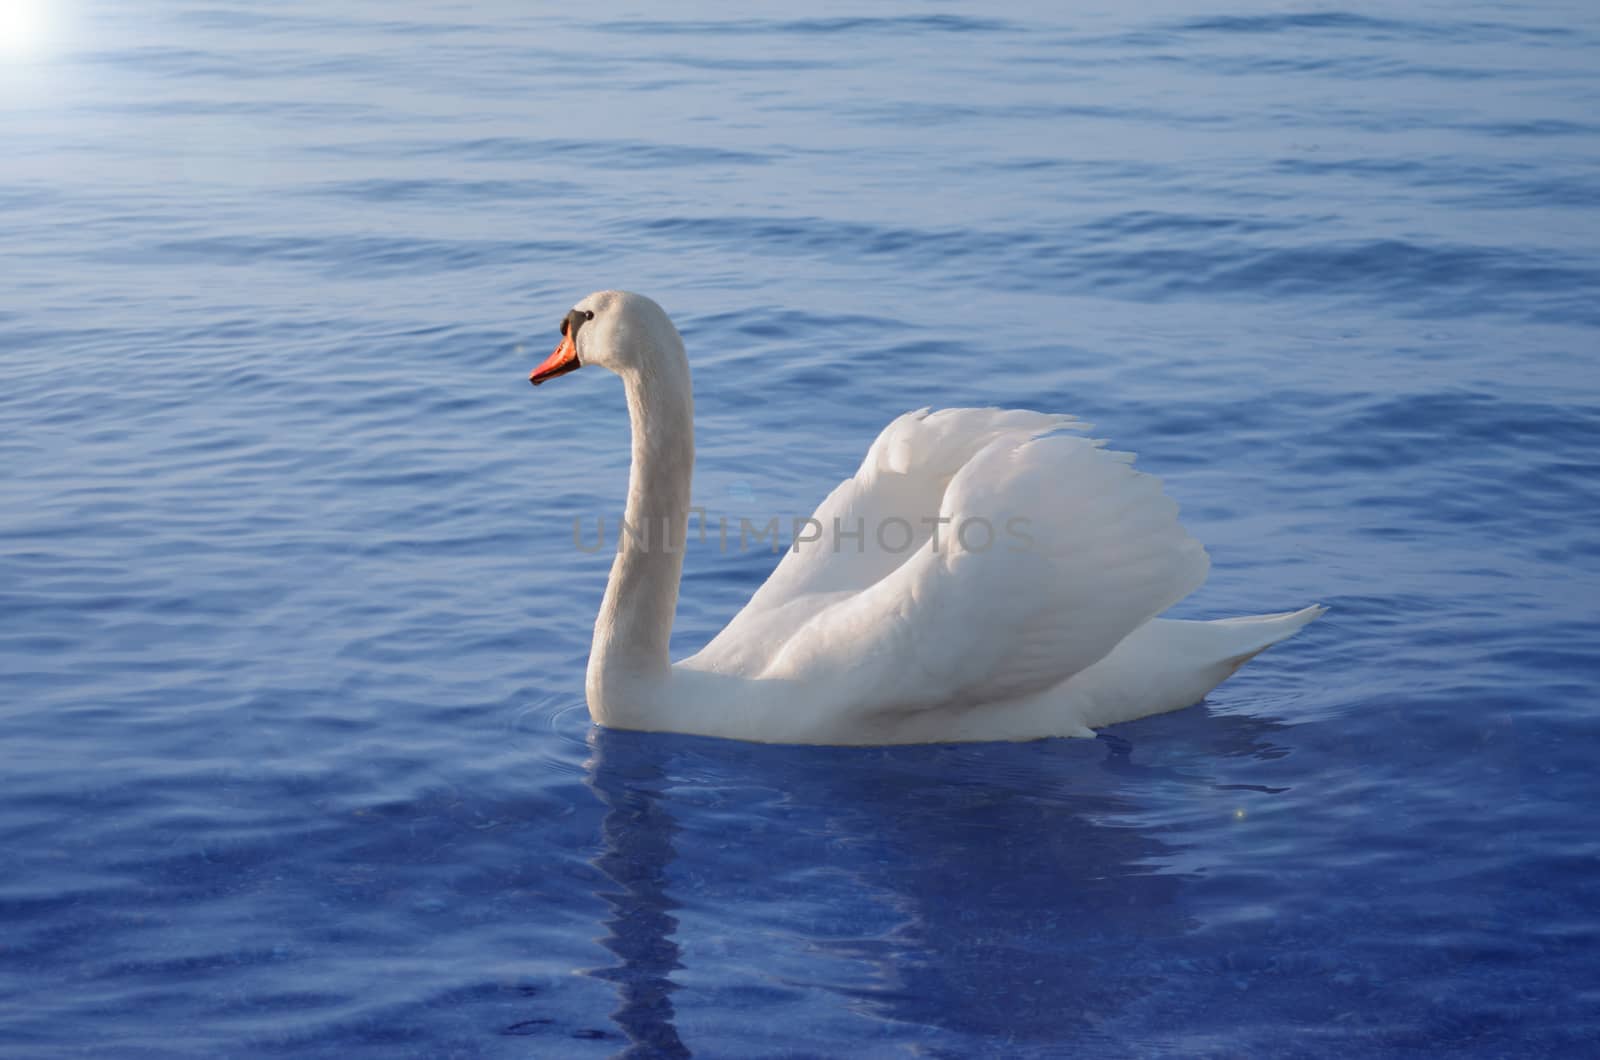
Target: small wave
<point x="358" y="255"/>
<point x="614" y="154"/>
<point x="1368" y="26"/>
<point x="1532" y="127"/>
<point x="809" y="26"/>
<point x="442" y="191"/>
<point x="900" y="112"/>
<point x="1413" y="277"/>
<point x="293" y="110"/>
<point x="1343" y="67"/>
<point x="1503" y="184"/>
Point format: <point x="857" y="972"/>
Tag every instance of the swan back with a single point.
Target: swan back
<point x="1036" y="553"/>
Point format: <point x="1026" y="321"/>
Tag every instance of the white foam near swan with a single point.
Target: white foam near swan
<point x="1015" y="598"/>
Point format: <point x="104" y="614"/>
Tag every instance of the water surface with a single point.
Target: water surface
<point x="293" y="628"/>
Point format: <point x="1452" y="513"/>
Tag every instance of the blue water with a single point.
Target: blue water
<point x="293" y="751"/>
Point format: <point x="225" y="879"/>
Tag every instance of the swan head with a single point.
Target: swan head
<point x="625" y="332"/>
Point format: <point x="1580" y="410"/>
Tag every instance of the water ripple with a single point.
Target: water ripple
<point x="293" y="622"/>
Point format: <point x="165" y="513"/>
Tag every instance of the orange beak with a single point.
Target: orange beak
<point x="564" y="360"/>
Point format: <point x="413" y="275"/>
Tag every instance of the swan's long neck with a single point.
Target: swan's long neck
<point x="631" y="634"/>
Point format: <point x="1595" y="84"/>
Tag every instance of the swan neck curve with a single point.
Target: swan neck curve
<point x="630" y="653"/>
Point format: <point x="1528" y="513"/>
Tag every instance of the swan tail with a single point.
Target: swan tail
<point x="1163" y="665"/>
<point x="1168" y="664"/>
<point x="1245" y="638"/>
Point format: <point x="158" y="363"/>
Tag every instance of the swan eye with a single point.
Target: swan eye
<point x="575" y="320"/>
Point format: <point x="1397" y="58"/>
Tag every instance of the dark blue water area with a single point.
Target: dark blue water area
<point x="294" y="759"/>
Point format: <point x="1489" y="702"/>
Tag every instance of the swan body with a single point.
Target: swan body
<point x="987" y="574"/>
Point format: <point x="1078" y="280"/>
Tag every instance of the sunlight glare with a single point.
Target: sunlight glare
<point x="21" y="26"/>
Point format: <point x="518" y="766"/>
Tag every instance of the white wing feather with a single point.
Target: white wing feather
<point x="904" y="476"/>
<point x="950" y="621"/>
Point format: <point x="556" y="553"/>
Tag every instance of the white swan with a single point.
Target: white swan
<point x="1023" y="605"/>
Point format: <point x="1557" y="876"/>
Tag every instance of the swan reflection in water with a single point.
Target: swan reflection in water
<point x="637" y="833"/>
<point x="1011" y="892"/>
